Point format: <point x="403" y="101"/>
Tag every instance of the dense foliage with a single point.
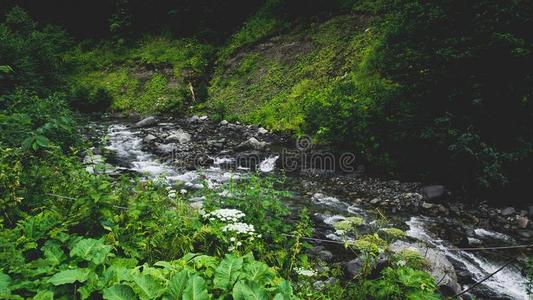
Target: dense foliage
<point x="421" y="87"/>
<point x="436" y="90"/>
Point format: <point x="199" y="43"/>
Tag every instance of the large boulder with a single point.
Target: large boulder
<point x="441" y="268"/>
<point x="148" y="121"/>
<point x="434" y="192"/>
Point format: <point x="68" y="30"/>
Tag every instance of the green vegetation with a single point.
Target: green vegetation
<point x="155" y="74"/>
<point x="435" y="91"/>
<point x="439" y="89"/>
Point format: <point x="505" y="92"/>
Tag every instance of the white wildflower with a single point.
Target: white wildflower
<point x="239" y="228"/>
<point x="183" y="191"/>
<point x="227" y="214"/>
<point x="305" y="272"/>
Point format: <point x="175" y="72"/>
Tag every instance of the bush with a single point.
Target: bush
<point x="33" y="54"/>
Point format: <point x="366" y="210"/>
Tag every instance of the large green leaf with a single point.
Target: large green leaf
<point x="52" y="251"/>
<point x="285" y="291"/>
<point x="227" y="272"/>
<point x="44" y="295"/>
<point x="69" y="276"/>
<point x="244" y="291"/>
<point x="196" y="289"/>
<point x="91" y="250"/>
<point x="177" y="284"/>
<point x="147" y="286"/>
<point x="258" y="272"/>
<point x="119" y="292"/>
<point x="5" y="281"/>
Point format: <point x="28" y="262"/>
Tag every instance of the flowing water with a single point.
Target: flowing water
<point x="127" y="145"/>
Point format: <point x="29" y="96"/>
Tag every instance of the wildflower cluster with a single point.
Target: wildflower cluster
<point x="225" y="215"/>
<point x="237" y="230"/>
<point x="171" y="193"/>
<point x="240" y="228"/>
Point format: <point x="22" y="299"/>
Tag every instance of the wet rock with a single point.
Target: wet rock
<point x="375" y="201"/>
<point x="194" y="119"/>
<point x="325" y="255"/>
<point x="262" y="130"/>
<point x="522" y="222"/>
<point x="252" y="143"/>
<point x="148" y="121"/>
<point x="149" y="138"/>
<point x="441" y="268"/>
<point x="354" y="267"/>
<point x="434" y="192"/>
<point x="165" y="148"/>
<point x="427" y="205"/>
<point x="508" y="211"/>
<point x="180" y="136"/>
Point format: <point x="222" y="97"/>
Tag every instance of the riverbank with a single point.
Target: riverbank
<point x="196" y="151"/>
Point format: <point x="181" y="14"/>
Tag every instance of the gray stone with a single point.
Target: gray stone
<point x="149" y="138"/>
<point x="194" y="119"/>
<point x="508" y="211"/>
<point x="325" y="255"/>
<point x="180" y="136"/>
<point x="148" y="121"/>
<point x="522" y="222"/>
<point x="262" y="130"/>
<point x="354" y="267"/>
<point x="434" y="192"/>
<point x="224" y="123"/>
<point x="375" y="201"/>
<point x="252" y="143"/>
<point x="427" y="205"/>
<point x="530" y="208"/>
<point x="439" y="265"/>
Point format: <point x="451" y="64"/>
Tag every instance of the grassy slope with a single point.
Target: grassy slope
<point x="268" y="82"/>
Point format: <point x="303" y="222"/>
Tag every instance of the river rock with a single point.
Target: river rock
<point x="149" y="138"/>
<point x="148" y="121"/>
<point x="522" y="222"/>
<point x="434" y="192"/>
<point x="325" y="255"/>
<point x="353" y="267"/>
<point x="180" y="136"/>
<point x="508" y="211"/>
<point x="262" y="130"/>
<point x="441" y="268"/>
<point x="251" y="143"/>
<point x="427" y="205"/>
<point x="224" y="123"/>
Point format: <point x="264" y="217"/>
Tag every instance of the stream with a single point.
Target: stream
<point x="196" y="151"/>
